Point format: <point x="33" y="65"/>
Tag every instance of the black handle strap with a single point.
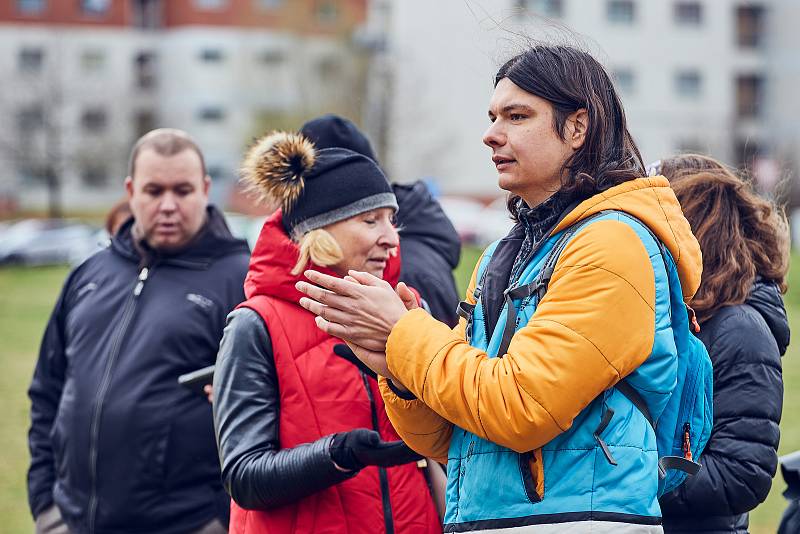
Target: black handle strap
<point x="465" y="309"/>
<point x="604" y="421"/>
<point x="665" y="463"/>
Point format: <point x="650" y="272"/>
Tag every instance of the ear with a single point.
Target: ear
<point x="577" y="127"/>
<point x="206" y="184"/>
<point x="129" y="187"/>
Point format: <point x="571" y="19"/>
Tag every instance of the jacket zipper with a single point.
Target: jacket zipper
<point x="525" y="262"/>
<point x="127" y="315"/>
<point x="388" y="520"/>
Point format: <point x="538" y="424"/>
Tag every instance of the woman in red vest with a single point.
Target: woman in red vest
<point x="304" y="440"/>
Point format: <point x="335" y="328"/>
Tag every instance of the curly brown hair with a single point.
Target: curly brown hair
<point x="741" y="234"/>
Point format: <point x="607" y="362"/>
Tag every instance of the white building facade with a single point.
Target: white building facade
<point x="714" y="76"/>
<point x="79" y="87"/>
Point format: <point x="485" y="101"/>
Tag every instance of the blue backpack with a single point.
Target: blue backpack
<point x="684" y="426"/>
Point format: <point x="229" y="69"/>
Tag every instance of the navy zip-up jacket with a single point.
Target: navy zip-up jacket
<point x="116" y="443"/>
<point x="745" y="343"/>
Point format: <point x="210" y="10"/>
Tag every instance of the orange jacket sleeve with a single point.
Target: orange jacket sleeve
<point x="421" y="428"/>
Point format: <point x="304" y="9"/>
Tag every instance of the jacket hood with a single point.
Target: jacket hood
<point x="421" y="218"/>
<point x="652" y="201"/>
<point x="213" y="241"/>
<point x="274" y="257"/>
<point x="766" y="298"/>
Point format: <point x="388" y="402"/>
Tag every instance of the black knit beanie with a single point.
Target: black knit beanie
<point x="315" y="187"/>
<point x="333" y="131"/>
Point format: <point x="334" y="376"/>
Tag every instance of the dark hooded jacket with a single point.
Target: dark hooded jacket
<point x="431" y="249"/>
<point x="745" y="343"/>
<point x="116" y="443"/>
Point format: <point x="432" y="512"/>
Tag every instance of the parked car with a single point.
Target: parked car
<point x="495" y="222"/>
<point x="464" y="214"/>
<point x="244" y="226"/>
<point x="475" y="223"/>
<point x="44" y="241"/>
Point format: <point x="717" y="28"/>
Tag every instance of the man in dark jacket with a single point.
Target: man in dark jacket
<point x="429" y="244"/>
<point x="745" y="343"/>
<point x="117" y="445"/>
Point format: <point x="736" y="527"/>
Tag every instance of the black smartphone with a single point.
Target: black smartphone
<point x="196" y="380"/>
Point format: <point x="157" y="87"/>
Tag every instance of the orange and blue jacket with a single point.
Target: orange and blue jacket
<point x="517" y="429"/>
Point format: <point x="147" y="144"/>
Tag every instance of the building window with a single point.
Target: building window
<point x="30" y="60"/>
<point x="211" y="114"/>
<point x="750" y="26"/>
<point x="94" y="176"/>
<point x="144" y="121"/>
<point x="547" y="8"/>
<point x="94" y="120"/>
<point x="688" y="13"/>
<point x="147" y="14"/>
<point x="328" y="68"/>
<point x="625" y="81"/>
<point x="327" y="12"/>
<point x="95" y="7"/>
<point x="31" y="7"/>
<point x="745" y="152"/>
<point x="145" y="68"/>
<point x="211" y="55"/>
<point x="749" y="95"/>
<point x="210" y="4"/>
<point x="269" y="5"/>
<point x="272" y="57"/>
<point x="30" y="119"/>
<point x="621" y="11"/>
<point x="93" y="60"/>
<point x="33" y="174"/>
<point x="688" y="83"/>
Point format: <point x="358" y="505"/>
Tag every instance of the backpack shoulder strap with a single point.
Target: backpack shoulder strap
<point x="539" y="284"/>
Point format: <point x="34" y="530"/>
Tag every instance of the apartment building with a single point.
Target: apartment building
<point x="84" y="78"/>
<point x="714" y="76"/>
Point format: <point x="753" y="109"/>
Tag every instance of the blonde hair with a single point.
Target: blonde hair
<point x="320" y="247"/>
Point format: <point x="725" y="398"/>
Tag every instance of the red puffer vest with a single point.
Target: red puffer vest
<point x="320" y="394"/>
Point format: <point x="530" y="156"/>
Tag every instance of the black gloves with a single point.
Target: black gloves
<point x="360" y="447"/>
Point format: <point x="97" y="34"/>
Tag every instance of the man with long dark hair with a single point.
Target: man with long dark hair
<point x="524" y="399"/>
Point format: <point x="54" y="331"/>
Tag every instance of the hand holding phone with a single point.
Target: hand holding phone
<point x="197" y="380"/>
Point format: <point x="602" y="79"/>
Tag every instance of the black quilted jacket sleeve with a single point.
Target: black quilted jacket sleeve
<point x="256" y="471"/>
<point x="741" y="456"/>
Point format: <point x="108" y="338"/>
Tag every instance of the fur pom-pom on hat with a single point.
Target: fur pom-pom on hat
<point x="276" y="165"/>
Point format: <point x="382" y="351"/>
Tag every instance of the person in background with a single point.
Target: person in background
<point x="429" y="243"/>
<point x="116" y="444"/>
<point x="304" y="441"/>
<point x="117" y="215"/>
<point x="745" y="243"/>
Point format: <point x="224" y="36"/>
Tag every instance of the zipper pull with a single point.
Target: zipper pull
<point x="687" y="444"/>
<point x="140" y="284"/>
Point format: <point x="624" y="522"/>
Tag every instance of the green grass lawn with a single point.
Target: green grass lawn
<point x="27" y="296"/>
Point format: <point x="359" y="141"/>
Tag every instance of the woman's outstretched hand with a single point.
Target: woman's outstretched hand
<point x="361" y="309"/>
